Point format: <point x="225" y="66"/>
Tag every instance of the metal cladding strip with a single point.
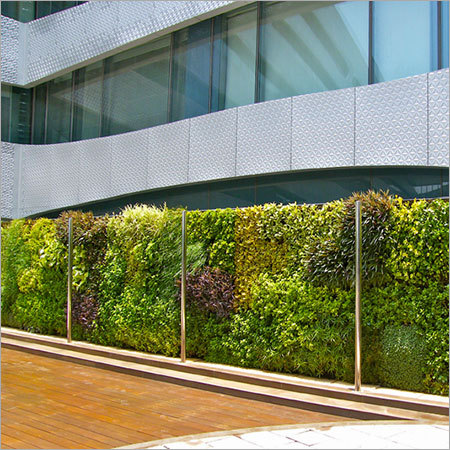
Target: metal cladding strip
<point x="256" y="139"/>
<point x="74" y="37"/>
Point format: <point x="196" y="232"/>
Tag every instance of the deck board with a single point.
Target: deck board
<point x="49" y="403"/>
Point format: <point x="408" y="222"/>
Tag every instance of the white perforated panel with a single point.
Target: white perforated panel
<point x="212" y="146"/>
<point x="391" y="123"/>
<point x="7" y="179"/>
<point x="168" y="154"/>
<point x="323" y="130"/>
<point x="264" y="137"/>
<point x="438" y="85"/>
<point x="129" y="162"/>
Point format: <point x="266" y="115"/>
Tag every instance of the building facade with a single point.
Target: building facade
<point x="221" y="103"/>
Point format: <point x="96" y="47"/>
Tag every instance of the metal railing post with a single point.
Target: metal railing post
<point x="69" y="282"/>
<point x="183" y="287"/>
<point x="358" y="297"/>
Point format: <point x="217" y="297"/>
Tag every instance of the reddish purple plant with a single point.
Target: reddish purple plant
<point x="211" y="290"/>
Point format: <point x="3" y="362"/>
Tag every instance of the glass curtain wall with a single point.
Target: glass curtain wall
<point x="21" y="11"/>
<point x="313" y="46"/>
<point x="136" y="88"/>
<point x="405" y="39"/>
<point x="87" y="102"/>
<point x="259" y="52"/>
<point x="191" y="72"/>
<point x="234" y="59"/>
<point x="59" y="106"/>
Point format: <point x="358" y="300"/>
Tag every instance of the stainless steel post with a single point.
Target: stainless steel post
<point x="183" y="287"/>
<point x="69" y="282"/>
<point x="358" y="298"/>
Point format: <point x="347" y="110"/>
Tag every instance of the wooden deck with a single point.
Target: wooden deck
<point x="48" y="403"/>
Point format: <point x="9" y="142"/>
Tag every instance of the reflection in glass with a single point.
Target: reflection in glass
<point x="234" y="59"/>
<point x="313" y="46"/>
<point x="59" y="109"/>
<point x="191" y="71"/>
<point x="409" y="183"/>
<point x="21" y="102"/>
<point x="444" y="34"/>
<point x="40" y="95"/>
<point x="87" y="99"/>
<point x="404" y="39"/>
<point x="311" y="187"/>
<point x="136" y="88"/>
<point x="6" y="113"/>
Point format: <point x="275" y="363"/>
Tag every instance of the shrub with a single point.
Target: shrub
<point x="403" y="356"/>
<point x="210" y="290"/>
<point x="331" y="261"/>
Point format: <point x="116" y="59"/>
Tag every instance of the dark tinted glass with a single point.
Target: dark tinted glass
<point x="21" y="11"/>
<point x="136" y="88"/>
<point x="21" y="100"/>
<point x="59" y="109"/>
<point x="40" y="95"/>
<point x="6" y="113"/>
<point x="87" y="98"/>
<point x="230" y="194"/>
<point x="409" y="183"/>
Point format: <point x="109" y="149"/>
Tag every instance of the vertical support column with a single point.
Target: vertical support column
<point x="183" y="287"/>
<point x="69" y="282"/>
<point x="358" y="298"/>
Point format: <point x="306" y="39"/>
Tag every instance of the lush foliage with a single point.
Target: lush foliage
<point x="268" y="286"/>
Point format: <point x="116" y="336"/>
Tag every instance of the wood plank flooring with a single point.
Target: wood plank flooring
<point x="47" y="403"/>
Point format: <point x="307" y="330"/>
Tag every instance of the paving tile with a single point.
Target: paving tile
<point x="181" y="445"/>
<point x="424" y="436"/>
<point x="232" y="442"/>
<point x="309" y="437"/>
<point x="333" y="443"/>
<point x="291" y="432"/>
<point x="382" y="431"/>
<point x="266" y="439"/>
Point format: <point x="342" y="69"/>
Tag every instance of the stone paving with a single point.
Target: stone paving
<point x="377" y="436"/>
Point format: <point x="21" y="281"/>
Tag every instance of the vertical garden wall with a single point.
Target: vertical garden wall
<point x="269" y="287"/>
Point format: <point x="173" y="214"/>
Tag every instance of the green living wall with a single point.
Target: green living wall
<point x="268" y="287"/>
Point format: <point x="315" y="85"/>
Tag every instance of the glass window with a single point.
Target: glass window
<point x="87" y="99"/>
<point x="313" y="46"/>
<point x="136" y="88"/>
<point x="59" y="109"/>
<point x="191" y="71"/>
<point x="20" y="123"/>
<point x="6" y="113"/>
<point x="21" y="11"/>
<point x="409" y="183"/>
<point x="444" y="34"/>
<point x="404" y="39"/>
<point x="40" y="95"/>
<point x="231" y="194"/>
<point x="311" y="187"/>
<point x="234" y="59"/>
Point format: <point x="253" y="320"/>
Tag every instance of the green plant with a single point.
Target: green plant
<point x="403" y="356"/>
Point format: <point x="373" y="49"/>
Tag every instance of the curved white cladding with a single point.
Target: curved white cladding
<point x="73" y="37"/>
<point x="397" y="123"/>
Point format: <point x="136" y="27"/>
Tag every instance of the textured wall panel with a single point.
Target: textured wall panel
<point x="438" y="91"/>
<point x="264" y="137"/>
<point x="36" y="190"/>
<point x="65" y="173"/>
<point x="7" y="180"/>
<point x="168" y="154"/>
<point x="95" y="170"/>
<point x="129" y="162"/>
<point x="391" y="123"/>
<point x="10" y="34"/>
<point x="68" y="38"/>
<point x="323" y="129"/>
<point x="212" y="146"/>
